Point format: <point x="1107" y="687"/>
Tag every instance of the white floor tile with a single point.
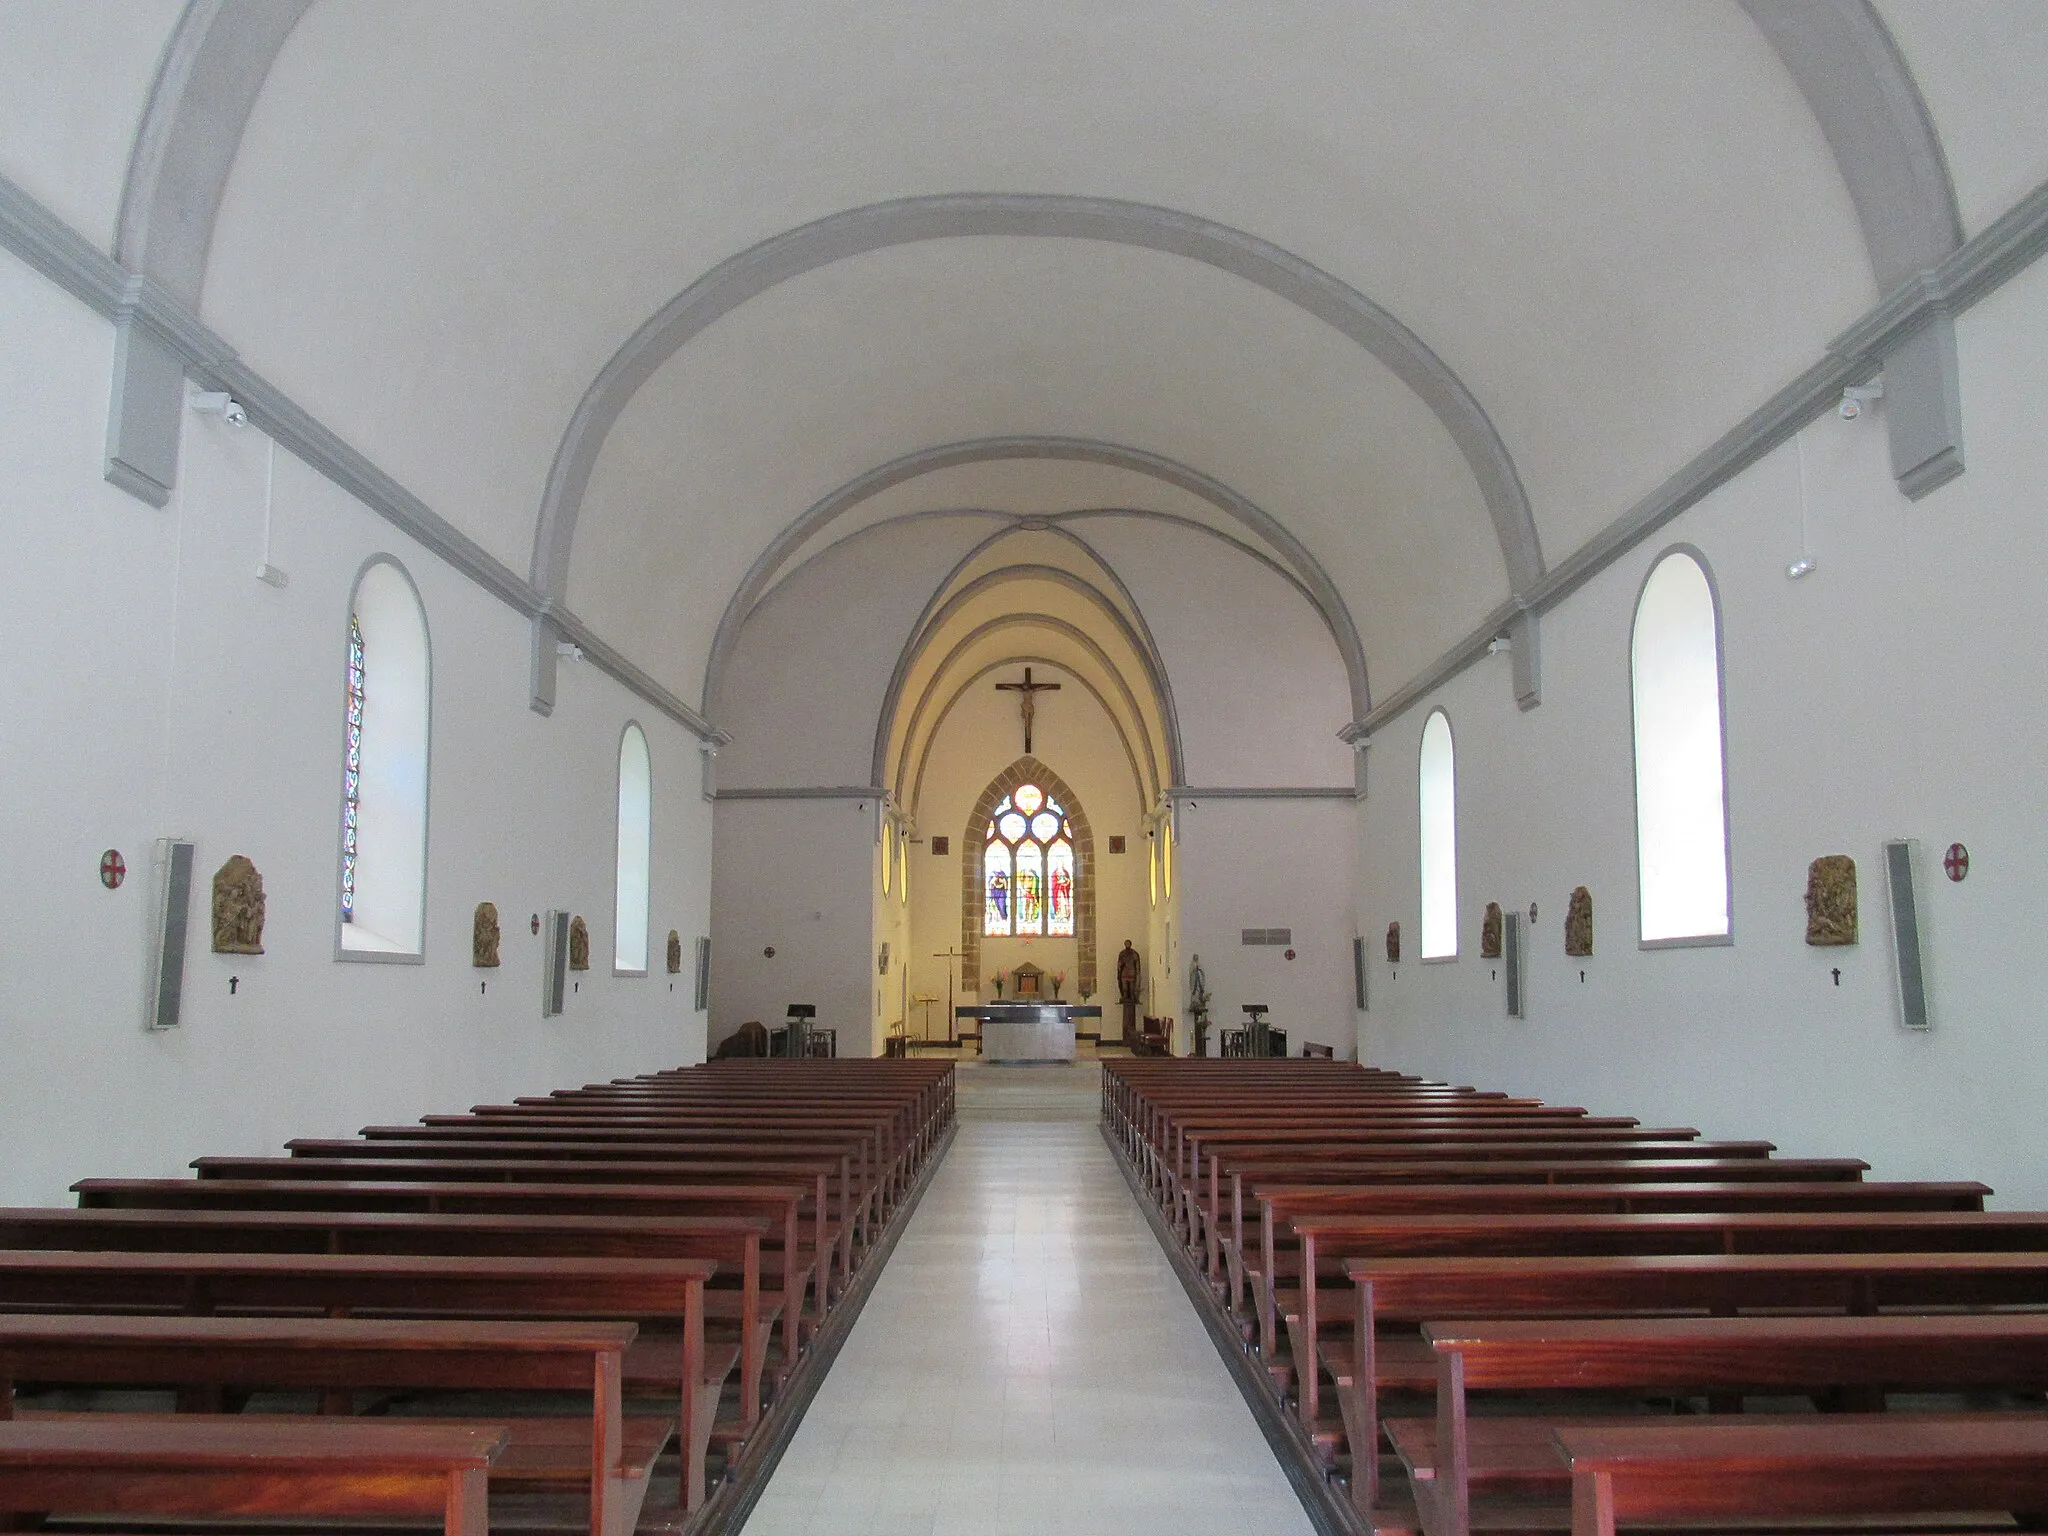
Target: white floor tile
<point x="1028" y="1362"/>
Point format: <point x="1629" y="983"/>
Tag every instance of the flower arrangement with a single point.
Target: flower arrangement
<point x="1058" y="979"/>
<point x="997" y="981"/>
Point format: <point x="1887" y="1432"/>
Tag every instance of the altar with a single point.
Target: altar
<point x="1028" y="1030"/>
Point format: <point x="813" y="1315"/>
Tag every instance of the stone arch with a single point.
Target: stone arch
<point x="1027" y="770"/>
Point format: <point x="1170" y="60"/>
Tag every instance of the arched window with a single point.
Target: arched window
<point x="1681" y="779"/>
<point x="1028" y="867"/>
<point x="386" y="719"/>
<point x="1438" y="803"/>
<point x="636" y="831"/>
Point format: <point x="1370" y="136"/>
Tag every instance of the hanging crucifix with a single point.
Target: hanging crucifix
<point x="1025" y="691"/>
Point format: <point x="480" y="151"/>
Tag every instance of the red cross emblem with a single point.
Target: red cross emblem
<point x="113" y="869"/>
<point x="1956" y="861"/>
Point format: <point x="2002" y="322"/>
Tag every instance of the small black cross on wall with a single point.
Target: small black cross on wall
<point x="1028" y="704"/>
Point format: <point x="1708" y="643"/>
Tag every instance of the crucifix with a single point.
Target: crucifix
<point x="1024" y="692"/>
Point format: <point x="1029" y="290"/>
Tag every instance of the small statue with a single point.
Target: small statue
<point x="1394" y="943"/>
<point x="237" y="908"/>
<point x="1489" y="932"/>
<point x="483" y="941"/>
<point x="1129" y="976"/>
<point x="675" y="953"/>
<point x="1831" y="900"/>
<point x="1198" y="988"/>
<point x="1578" y="924"/>
<point x="579" y="944"/>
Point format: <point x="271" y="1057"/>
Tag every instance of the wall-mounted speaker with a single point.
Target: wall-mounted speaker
<point x="1909" y="966"/>
<point x="1358" y="971"/>
<point x="173" y="914"/>
<point x="703" y="975"/>
<point x="1511" y="961"/>
<point x="554" y="965"/>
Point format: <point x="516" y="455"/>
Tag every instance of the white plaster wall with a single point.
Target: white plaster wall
<point x="981" y="737"/>
<point x="156" y="688"/>
<point x="1268" y="864"/>
<point x="797" y="876"/>
<point x="1895" y="692"/>
<point x="810" y="669"/>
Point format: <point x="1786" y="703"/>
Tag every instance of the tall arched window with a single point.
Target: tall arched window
<point x="635" y="837"/>
<point x="386" y="726"/>
<point x="1028" y="867"/>
<point x="1681" y="778"/>
<point x="1438" y="803"/>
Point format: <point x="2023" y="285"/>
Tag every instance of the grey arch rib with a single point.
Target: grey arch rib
<point x="212" y="70"/>
<point x="1848" y="67"/>
<point x="963" y="214"/>
<point x="934" y="617"/>
<point x="1129" y="619"/>
<point x="1094" y="652"/>
<point x="1323" y="592"/>
<point x="938" y="724"/>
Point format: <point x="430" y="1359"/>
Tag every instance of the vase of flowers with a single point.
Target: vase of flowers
<point x="1058" y="980"/>
<point x="997" y="981"/>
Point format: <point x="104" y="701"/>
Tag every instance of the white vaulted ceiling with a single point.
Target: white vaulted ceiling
<point x="1400" y="297"/>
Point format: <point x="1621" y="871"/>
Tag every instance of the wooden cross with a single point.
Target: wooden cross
<point x="1024" y="692"/>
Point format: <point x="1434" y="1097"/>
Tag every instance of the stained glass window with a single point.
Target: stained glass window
<point x="1028" y="869"/>
<point x="352" y="772"/>
<point x="1059" y="875"/>
<point x="996" y="894"/>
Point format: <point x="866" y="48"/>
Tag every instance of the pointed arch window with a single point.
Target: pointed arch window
<point x="1681" y="767"/>
<point x="1029" y="876"/>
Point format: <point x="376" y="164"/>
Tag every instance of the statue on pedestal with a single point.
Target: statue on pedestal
<point x="1129" y="974"/>
<point x="1198" y="1006"/>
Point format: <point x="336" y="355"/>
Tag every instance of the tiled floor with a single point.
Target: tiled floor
<point x="1028" y="1363"/>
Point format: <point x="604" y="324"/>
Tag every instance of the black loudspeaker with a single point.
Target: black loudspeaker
<point x="554" y="964"/>
<point x="173" y="915"/>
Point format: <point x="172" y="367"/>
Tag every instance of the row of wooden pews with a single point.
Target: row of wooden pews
<point x="390" y="1327"/>
<point x="1473" y="1311"/>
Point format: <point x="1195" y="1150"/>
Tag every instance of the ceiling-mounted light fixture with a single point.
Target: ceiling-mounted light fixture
<point x="218" y="402"/>
<point x="1856" y="396"/>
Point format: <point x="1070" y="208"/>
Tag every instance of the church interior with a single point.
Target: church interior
<point x="1493" y="539"/>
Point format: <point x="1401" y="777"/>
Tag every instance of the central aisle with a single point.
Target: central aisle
<point x="1028" y="1362"/>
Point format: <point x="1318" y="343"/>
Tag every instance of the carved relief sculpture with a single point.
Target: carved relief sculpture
<point x="1393" y="943"/>
<point x="1831" y="900"/>
<point x="483" y="941"/>
<point x="675" y="953"/>
<point x="579" y="944"/>
<point x="1489" y="932"/>
<point x="1578" y="923"/>
<point x="237" y="908"/>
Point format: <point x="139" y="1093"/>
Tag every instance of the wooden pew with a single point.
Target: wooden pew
<point x="733" y="1243"/>
<point x="831" y="1233"/>
<point x="1281" y="1210"/>
<point x="1383" y="1348"/>
<point x="668" y="1293"/>
<point x="1221" y="1219"/>
<point x="1327" y="1241"/>
<point x="1458" y="1459"/>
<point x="607" y="1453"/>
<point x="213" y="1468"/>
<point x="786" y="1261"/>
<point x="1835" y="1468"/>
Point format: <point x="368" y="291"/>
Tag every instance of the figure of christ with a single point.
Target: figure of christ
<point x="1027" y="692"/>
